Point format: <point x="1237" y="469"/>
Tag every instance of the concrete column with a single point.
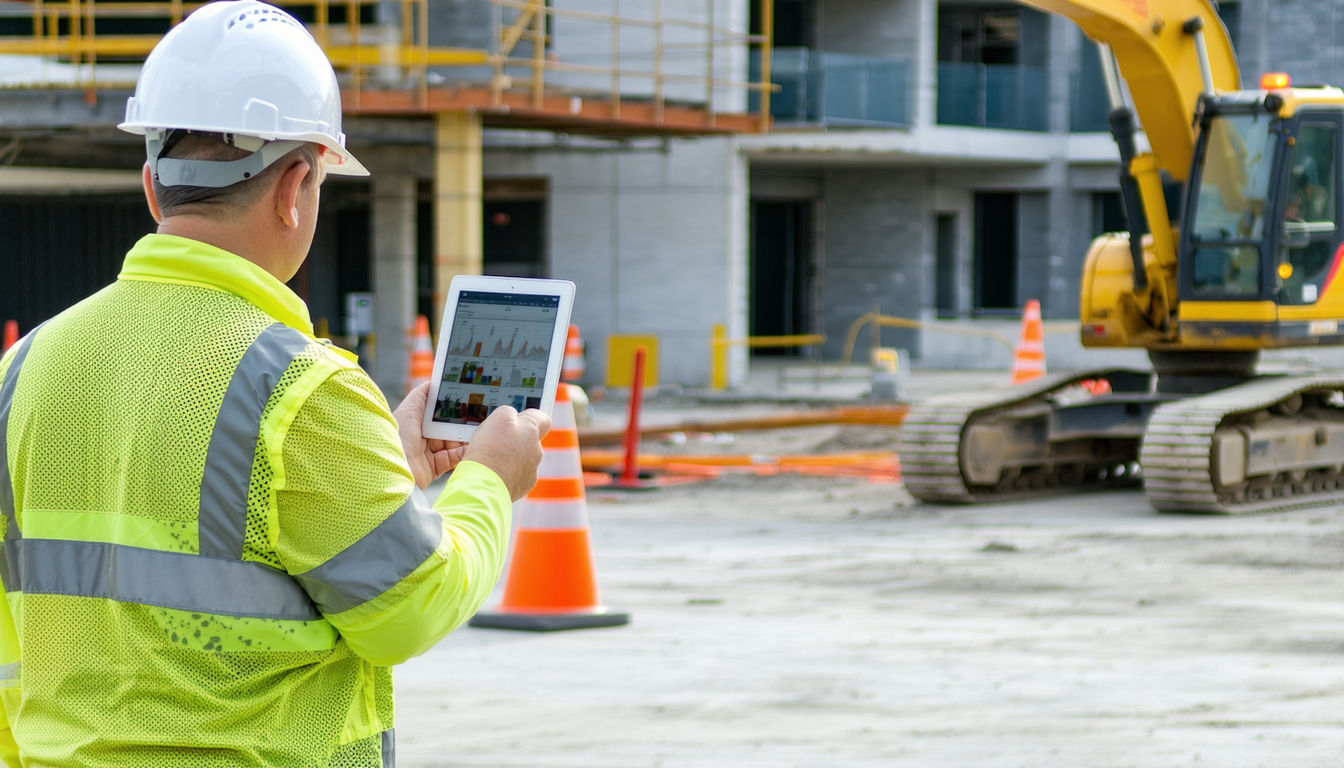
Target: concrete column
<point x="457" y="201"/>
<point x="1060" y="295"/>
<point x="926" y="66"/>
<point x="738" y="284"/>
<point x="394" y="204"/>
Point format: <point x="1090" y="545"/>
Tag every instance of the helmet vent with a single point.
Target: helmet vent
<point x="251" y="18"/>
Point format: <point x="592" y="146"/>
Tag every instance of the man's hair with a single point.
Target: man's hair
<point x="234" y="199"/>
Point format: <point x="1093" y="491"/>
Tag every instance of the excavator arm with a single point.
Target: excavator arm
<point x="1159" y="60"/>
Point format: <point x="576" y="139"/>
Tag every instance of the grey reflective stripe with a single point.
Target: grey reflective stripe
<point x="375" y="563"/>
<point x="389" y="749"/>
<point x="9" y="673"/>
<point x="11" y="577"/>
<point x="167" y="579"/>
<point x="228" y="460"/>
<point x="203" y="583"/>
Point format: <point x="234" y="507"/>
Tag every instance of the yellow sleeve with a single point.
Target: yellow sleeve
<point x="10" y="692"/>
<point x="9" y="751"/>
<point x="392" y="573"/>
<point x="9" y="644"/>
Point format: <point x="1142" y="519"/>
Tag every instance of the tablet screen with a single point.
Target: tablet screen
<point x="498" y="352"/>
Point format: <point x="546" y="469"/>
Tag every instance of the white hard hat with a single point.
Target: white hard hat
<point x="245" y="69"/>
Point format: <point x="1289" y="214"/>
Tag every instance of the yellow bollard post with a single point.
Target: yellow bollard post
<point x="718" y="367"/>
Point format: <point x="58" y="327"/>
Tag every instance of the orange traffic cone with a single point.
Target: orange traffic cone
<point x="11" y="336"/>
<point x="1029" y="360"/>
<point x="422" y="355"/>
<point x="573" y="367"/>
<point x="551" y="583"/>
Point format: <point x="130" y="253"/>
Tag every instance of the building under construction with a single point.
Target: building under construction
<point x="513" y="137"/>
<point x="939" y="161"/>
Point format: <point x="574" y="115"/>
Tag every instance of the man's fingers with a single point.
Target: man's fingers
<point x="437" y="460"/>
<point x="541" y="420"/>
<point x="416" y="401"/>
<point x="445" y="461"/>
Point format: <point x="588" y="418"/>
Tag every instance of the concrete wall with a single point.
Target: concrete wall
<point x="589" y="42"/>
<point x="459" y="23"/>
<point x="877" y="251"/>
<point x="870" y="27"/>
<point x="1304" y="38"/>
<point x="655" y="239"/>
<point x="970" y="346"/>
<point x="469" y="24"/>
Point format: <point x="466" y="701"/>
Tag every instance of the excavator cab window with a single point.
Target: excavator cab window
<point x="1309" y="212"/>
<point x="1230" y="205"/>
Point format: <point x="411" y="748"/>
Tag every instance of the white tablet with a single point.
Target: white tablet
<point x="501" y="342"/>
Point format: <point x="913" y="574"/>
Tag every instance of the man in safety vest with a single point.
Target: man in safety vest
<point x="214" y="543"/>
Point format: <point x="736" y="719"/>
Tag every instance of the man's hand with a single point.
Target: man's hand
<point x="428" y="458"/>
<point x="509" y="443"/>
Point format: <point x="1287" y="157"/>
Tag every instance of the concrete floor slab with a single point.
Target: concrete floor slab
<point x="799" y="621"/>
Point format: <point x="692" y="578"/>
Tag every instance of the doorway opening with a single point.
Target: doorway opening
<point x="996" y="253"/>
<point x="945" y="248"/>
<point x="781" y="271"/>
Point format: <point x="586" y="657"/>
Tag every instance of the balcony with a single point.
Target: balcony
<point x="994" y="96"/>
<point x="825" y="88"/>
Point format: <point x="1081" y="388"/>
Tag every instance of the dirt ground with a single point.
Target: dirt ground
<point x="804" y="621"/>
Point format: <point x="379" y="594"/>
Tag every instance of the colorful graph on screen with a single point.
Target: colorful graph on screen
<point x="523" y="343"/>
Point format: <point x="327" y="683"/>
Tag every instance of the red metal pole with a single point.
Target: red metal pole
<point x="631" y="473"/>
<point x="11" y="335"/>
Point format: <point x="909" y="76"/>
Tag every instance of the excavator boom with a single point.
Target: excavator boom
<point x="1159" y="60"/>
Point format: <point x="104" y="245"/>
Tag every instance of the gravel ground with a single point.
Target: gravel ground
<point x="804" y="621"/>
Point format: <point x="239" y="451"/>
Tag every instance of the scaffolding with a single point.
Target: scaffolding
<point x="662" y="71"/>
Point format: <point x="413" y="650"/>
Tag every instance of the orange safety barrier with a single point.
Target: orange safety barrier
<point x="422" y="355"/>
<point x="877" y="466"/>
<point x="574" y="365"/>
<point x="1029" y="359"/>
<point x="11" y="336"/>
<point x="551" y="582"/>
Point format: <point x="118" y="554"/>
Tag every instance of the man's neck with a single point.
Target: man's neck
<point x="236" y="238"/>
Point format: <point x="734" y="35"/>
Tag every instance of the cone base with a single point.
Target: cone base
<point x="549" y="622"/>
<point x="642" y="484"/>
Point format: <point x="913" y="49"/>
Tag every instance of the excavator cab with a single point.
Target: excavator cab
<point x="1260" y="237"/>
<point x="1227" y="232"/>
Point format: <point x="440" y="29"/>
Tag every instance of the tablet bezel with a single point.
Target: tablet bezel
<point x="437" y="430"/>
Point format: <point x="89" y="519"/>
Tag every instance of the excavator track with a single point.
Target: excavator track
<point x="1271" y="443"/>
<point x="933" y="455"/>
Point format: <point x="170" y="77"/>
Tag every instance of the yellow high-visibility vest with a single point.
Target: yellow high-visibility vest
<point x="213" y="547"/>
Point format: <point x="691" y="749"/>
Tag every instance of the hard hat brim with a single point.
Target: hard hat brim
<point x="339" y="160"/>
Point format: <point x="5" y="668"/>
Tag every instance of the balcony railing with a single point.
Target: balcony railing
<point x="994" y="96"/>
<point x="821" y="87"/>
<point x="665" y="64"/>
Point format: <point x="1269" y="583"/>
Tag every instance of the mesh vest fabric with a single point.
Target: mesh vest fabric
<point x="108" y="439"/>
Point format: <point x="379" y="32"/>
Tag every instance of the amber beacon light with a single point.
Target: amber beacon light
<point x="1273" y="81"/>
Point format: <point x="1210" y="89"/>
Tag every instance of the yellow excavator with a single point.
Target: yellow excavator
<point x="1249" y="260"/>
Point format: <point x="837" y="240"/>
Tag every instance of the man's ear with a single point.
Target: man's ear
<point x="287" y="193"/>
<point x="147" y="179"/>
